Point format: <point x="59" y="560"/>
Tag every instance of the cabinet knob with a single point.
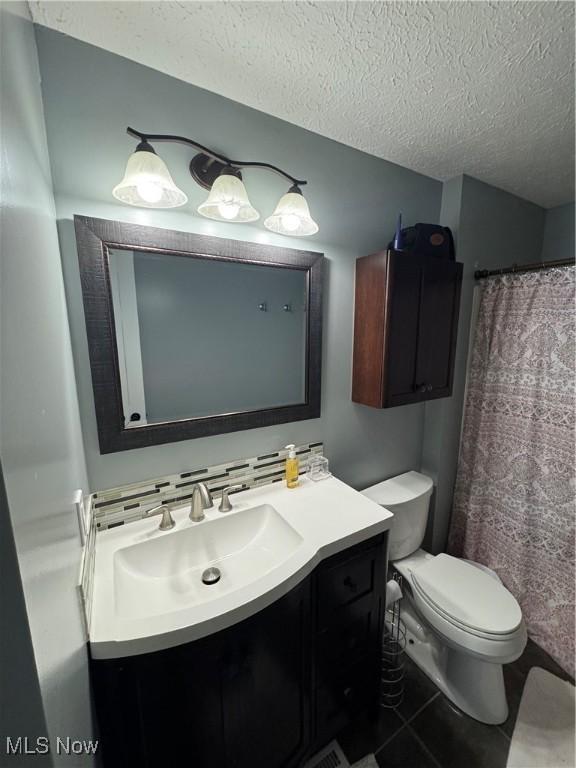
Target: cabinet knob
<point x="352" y="586"/>
<point x="429" y="388"/>
<point x="421" y="387"/>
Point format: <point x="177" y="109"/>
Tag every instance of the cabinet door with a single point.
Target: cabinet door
<point x="405" y="328"/>
<point x="437" y="327"/>
<point x="161" y="709"/>
<point x="401" y="341"/>
<point x="180" y="707"/>
<point x="116" y="695"/>
<point x="266" y="685"/>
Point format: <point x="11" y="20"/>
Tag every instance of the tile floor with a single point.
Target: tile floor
<point x="428" y="731"/>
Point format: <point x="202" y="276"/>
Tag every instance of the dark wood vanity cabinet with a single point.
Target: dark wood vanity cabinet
<point x="350" y="595"/>
<point x="264" y="693"/>
<point x="405" y="328"/>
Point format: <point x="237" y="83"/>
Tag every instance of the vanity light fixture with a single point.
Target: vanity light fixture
<point x="228" y="199"/>
<point x="147" y="182"/>
<point x="292" y="215"/>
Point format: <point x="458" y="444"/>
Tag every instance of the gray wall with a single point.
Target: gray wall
<point x="40" y="440"/>
<point x="559" y="233"/>
<point x="21" y="708"/>
<point x="206" y="346"/>
<point x="90" y="97"/>
<point x="492" y="229"/>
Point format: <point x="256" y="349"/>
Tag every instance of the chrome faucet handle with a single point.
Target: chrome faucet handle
<point x="201" y="500"/>
<point x="167" y="521"/>
<point x="225" y="503"/>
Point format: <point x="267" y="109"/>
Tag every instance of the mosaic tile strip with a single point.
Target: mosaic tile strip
<point x="87" y="566"/>
<point x="127" y="503"/>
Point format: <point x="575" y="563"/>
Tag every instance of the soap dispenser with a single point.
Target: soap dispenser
<point x="292" y="465"/>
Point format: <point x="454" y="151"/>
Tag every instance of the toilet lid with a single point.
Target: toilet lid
<point x="400" y="489"/>
<point x="467" y="595"/>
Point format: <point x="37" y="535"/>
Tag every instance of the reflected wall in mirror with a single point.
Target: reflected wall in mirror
<point x="191" y="335"/>
<point x="205" y="337"/>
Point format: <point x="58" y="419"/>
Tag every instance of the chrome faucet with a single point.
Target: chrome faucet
<point x="201" y="500"/>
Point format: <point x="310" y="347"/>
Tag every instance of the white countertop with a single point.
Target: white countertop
<point x="328" y="515"/>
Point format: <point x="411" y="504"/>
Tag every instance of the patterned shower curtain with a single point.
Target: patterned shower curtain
<point x="514" y="501"/>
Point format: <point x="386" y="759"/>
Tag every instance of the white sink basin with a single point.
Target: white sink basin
<point x="164" y="574"/>
<point x="148" y="591"/>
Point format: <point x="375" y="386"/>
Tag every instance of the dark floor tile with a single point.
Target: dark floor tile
<point x="534" y="656"/>
<point x="405" y="750"/>
<point x="457" y="740"/>
<point x="368" y="733"/>
<point x="418" y="690"/>
<point x="514" y="681"/>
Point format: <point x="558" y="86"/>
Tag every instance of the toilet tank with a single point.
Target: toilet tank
<point x="408" y="497"/>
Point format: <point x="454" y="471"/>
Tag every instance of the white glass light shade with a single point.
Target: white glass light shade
<point x="147" y="183"/>
<point x="228" y="201"/>
<point x="292" y="217"/>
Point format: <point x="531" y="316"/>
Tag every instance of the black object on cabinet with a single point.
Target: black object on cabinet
<point x="405" y="328"/>
<point x="264" y="693"/>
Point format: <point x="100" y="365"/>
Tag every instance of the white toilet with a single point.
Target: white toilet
<point x="462" y="624"/>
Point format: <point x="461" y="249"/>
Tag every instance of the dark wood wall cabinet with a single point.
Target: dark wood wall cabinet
<point x="405" y="328"/>
<point x="265" y="693"/>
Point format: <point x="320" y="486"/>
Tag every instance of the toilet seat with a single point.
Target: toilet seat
<point x="450" y="609"/>
<point x="466" y="597"/>
<point x="438" y="615"/>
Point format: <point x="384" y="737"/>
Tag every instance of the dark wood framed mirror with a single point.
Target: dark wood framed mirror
<point x="191" y="335"/>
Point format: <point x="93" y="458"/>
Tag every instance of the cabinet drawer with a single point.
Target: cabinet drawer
<point x="350" y="638"/>
<point x="344" y="582"/>
<point x="338" y="700"/>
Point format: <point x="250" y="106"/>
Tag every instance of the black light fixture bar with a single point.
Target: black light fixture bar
<point x="200" y="165"/>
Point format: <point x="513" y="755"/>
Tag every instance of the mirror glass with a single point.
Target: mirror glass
<point x="200" y="337"/>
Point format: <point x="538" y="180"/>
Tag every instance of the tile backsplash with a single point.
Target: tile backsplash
<point x="86" y="580"/>
<point x="127" y="503"/>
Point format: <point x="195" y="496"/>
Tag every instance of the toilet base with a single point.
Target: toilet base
<point x="474" y="686"/>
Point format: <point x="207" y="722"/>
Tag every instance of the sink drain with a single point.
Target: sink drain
<point x="211" y="576"/>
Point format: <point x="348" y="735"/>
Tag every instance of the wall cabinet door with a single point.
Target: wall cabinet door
<point x="401" y="303"/>
<point x="437" y="327"/>
<point x="405" y="328"/>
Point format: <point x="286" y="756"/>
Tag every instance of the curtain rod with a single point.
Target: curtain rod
<point x="482" y="273"/>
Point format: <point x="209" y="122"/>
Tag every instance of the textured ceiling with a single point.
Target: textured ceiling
<point x="443" y="88"/>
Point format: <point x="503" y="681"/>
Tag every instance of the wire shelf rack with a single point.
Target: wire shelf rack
<point x="393" y="655"/>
